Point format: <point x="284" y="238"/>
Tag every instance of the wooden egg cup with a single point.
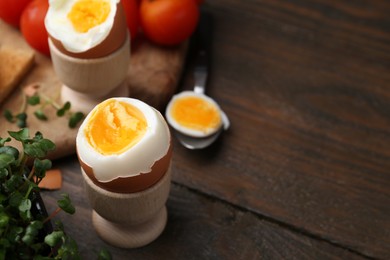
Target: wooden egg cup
<point x="87" y="82"/>
<point x="129" y="220"/>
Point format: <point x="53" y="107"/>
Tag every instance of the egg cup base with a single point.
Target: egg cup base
<point x="86" y="102"/>
<point x="130" y="236"/>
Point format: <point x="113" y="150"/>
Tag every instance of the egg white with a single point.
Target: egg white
<point x="136" y="160"/>
<point x="190" y="131"/>
<point x="60" y="27"/>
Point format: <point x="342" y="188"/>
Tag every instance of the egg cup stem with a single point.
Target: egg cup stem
<point x="130" y="236"/>
<point x="129" y="220"/>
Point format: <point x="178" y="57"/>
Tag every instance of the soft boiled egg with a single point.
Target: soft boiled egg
<point x="124" y="145"/>
<point x="86" y="28"/>
<point x="194" y="114"/>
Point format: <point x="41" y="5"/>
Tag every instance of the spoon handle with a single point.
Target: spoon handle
<point x="203" y="36"/>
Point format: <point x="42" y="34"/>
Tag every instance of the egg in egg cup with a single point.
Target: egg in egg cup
<point x="124" y="149"/>
<point x="90" y="50"/>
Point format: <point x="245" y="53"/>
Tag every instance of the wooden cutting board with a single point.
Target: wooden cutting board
<point x="152" y="77"/>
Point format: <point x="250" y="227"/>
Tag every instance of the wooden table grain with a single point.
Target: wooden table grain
<point x="304" y="171"/>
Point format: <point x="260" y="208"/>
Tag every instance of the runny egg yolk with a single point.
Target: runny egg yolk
<point x="195" y="113"/>
<point x="114" y="127"/>
<point x="86" y="14"/>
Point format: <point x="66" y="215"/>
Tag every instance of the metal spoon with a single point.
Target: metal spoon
<point x="200" y="77"/>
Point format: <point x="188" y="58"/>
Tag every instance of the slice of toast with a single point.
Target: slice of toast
<point x="14" y="65"/>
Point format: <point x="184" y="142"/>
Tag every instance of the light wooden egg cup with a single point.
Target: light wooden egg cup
<point x="129" y="220"/>
<point x="87" y="82"/>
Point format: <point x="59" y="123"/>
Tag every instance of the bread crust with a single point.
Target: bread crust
<point x="14" y="65"/>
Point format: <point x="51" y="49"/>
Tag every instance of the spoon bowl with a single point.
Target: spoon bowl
<point x="194" y="143"/>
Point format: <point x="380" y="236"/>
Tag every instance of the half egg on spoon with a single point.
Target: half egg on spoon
<point x="124" y="145"/>
<point x="86" y="28"/>
<point x="194" y="114"/>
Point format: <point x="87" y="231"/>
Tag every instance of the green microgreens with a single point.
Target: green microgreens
<point x="41" y="101"/>
<point x="20" y="228"/>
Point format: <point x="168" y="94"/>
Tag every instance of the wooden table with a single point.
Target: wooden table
<point x="304" y="171"/>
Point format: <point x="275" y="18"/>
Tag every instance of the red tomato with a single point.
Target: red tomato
<point x="11" y="10"/>
<point x="132" y="16"/>
<point x="168" y="22"/>
<point x="33" y="27"/>
<point x="199" y="1"/>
